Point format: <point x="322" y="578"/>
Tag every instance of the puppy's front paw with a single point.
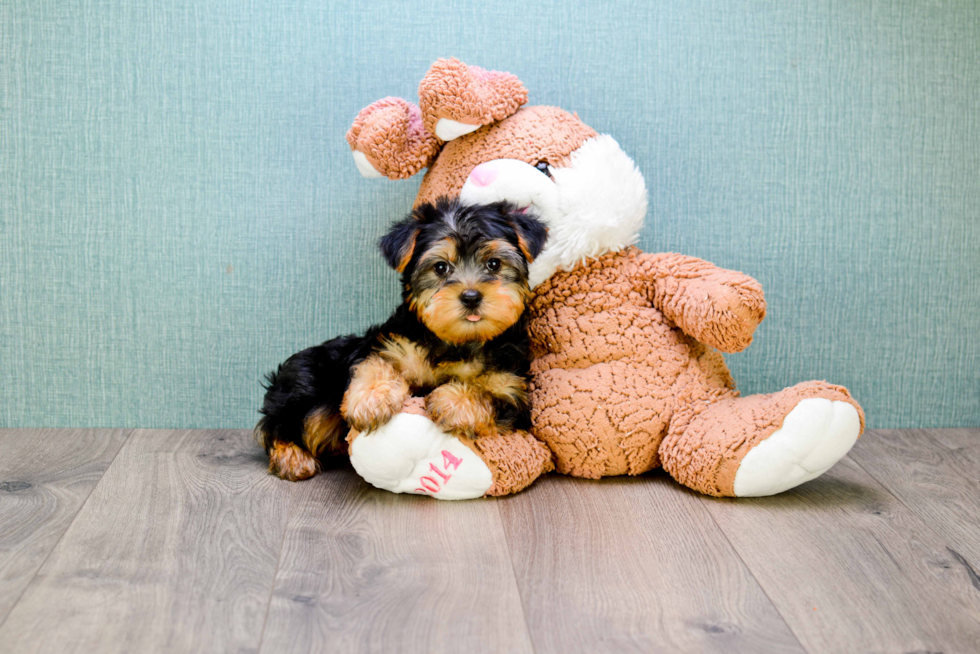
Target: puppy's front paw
<point x="375" y="395"/>
<point x="460" y="409"/>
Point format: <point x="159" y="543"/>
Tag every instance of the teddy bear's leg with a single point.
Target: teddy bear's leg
<point x="411" y="454"/>
<point x="762" y="444"/>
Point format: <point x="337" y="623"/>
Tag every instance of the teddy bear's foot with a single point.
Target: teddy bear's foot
<point x="762" y="444"/>
<point x="411" y="454"/>
<point x="815" y="435"/>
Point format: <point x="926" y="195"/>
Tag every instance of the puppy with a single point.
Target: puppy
<point x="458" y="339"/>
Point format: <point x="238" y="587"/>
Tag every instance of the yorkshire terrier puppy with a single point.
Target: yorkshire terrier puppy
<point x="459" y="339"/>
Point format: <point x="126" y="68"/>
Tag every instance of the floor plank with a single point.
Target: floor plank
<point x="931" y="480"/>
<point x="45" y="477"/>
<point x="852" y="569"/>
<point x="177" y="545"/>
<point x="633" y="564"/>
<point x="965" y="447"/>
<point x="364" y="570"/>
<point x="176" y="550"/>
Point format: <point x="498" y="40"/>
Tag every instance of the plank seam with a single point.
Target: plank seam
<point x="971" y="574"/>
<point x="513" y="572"/>
<point x="275" y="575"/>
<point x="939" y="445"/>
<point x="751" y="572"/>
<point x="884" y="485"/>
<point x="127" y="434"/>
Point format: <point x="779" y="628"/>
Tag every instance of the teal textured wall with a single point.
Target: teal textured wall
<point x="179" y="210"/>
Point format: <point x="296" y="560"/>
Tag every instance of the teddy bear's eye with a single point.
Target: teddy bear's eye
<point x="543" y="167"/>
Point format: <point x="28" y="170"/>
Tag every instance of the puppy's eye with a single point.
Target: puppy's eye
<point x="493" y="265"/>
<point x="543" y="167"/>
<point x="441" y="268"/>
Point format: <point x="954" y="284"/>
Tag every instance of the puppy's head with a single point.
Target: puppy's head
<point x="465" y="268"/>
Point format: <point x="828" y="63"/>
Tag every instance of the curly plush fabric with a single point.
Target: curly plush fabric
<point x="718" y="307"/>
<point x="517" y="137"/>
<point x="515" y="459"/>
<point x="608" y="365"/>
<point x="617" y="388"/>
<point x="468" y="94"/>
<point x="390" y="134"/>
<point x="707" y="440"/>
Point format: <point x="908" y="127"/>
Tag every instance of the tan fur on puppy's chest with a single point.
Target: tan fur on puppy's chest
<point x="410" y="359"/>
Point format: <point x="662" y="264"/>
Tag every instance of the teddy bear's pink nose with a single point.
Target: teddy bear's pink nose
<point x="484" y="174"/>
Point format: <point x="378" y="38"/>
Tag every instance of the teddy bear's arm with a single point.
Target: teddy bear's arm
<point x="411" y="454"/>
<point x="720" y="308"/>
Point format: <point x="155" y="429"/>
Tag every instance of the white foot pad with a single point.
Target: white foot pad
<point x="410" y="454"/>
<point x="815" y="435"/>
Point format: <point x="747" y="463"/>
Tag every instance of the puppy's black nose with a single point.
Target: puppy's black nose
<point x="470" y="298"/>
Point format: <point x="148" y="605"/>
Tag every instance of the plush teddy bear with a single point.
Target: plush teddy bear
<point x="627" y="372"/>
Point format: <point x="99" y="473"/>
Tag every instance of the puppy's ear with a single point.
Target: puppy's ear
<point x="531" y="234"/>
<point x="398" y="245"/>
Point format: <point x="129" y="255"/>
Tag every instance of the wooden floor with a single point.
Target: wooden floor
<point x="146" y="541"/>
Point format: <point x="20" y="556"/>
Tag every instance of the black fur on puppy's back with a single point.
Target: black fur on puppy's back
<point x="314" y="378"/>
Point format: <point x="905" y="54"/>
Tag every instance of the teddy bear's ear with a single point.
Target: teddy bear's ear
<point x="457" y="99"/>
<point x="388" y="140"/>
